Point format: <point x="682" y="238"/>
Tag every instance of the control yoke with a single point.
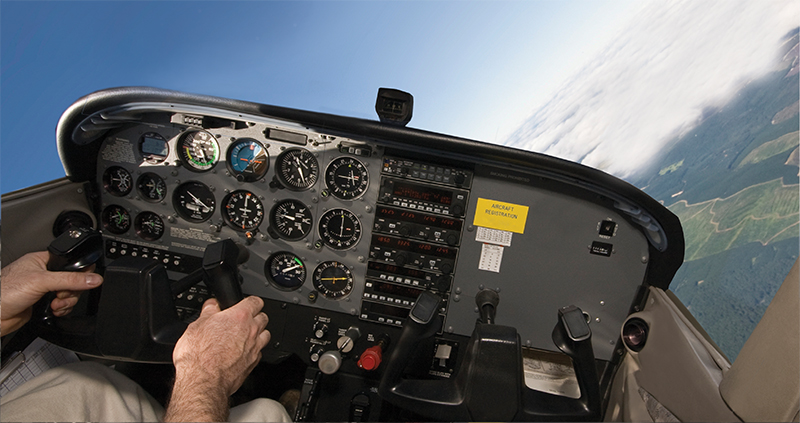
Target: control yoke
<point x="132" y="315"/>
<point x="489" y="384"/>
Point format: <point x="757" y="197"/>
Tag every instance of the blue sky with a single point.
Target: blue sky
<point x="476" y="69"/>
<point x="603" y="82"/>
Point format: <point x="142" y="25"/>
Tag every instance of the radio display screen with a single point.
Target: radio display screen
<point x="426" y="194"/>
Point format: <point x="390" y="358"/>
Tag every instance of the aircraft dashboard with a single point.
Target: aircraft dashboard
<point x="347" y="221"/>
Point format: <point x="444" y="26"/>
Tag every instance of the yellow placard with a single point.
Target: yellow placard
<point x="501" y="216"/>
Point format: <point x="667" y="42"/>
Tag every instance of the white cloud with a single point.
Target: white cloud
<point x="671" y="61"/>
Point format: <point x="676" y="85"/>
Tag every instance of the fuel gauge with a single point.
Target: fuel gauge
<point x="116" y="219"/>
<point x="149" y="226"/>
<point x="117" y="181"/>
<point x="151" y="187"/>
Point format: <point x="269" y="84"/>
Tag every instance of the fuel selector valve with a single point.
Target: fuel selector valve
<point x="371" y="357"/>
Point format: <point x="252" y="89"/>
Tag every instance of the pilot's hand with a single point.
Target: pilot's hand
<point x="213" y="358"/>
<point x="26" y="280"/>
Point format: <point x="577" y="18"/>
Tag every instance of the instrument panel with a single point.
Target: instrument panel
<point x="346" y="224"/>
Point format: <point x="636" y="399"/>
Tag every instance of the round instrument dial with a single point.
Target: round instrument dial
<point x="116" y="219"/>
<point x="339" y="229"/>
<point x="333" y="280"/>
<point x="154" y="147"/>
<point x="291" y="220"/>
<point x="243" y="210"/>
<point x="199" y="151"/>
<point x="194" y="201"/>
<point x="285" y="271"/>
<point x="149" y="226"/>
<point x="297" y="169"/>
<point x="248" y="160"/>
<point x="117" y="181"/>
<point x="151" y="187"/>
<point x="347" y="178"/>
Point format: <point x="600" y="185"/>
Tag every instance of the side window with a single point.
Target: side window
<point x="733" y="182"/>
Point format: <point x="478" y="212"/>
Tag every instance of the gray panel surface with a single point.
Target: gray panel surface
<point x="549" y="266"/>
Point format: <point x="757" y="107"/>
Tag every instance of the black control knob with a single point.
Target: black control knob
<point x="446" y="268"/>
<point x="401" y="259"/>
<point x="451" y="239"/>
<point x="404" y="230"/>
<point x="459" y="179"/>
<point x="457" y="209"/>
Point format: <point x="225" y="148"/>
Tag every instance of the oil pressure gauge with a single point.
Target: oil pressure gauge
<point x="116" y="219"/>
<point x="149" y="226"/>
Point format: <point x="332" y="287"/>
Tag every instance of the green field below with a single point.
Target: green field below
<point x="765" y="213"/>
<point x="771" y="149"/>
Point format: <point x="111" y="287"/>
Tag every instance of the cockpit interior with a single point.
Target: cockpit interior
<point x="407" y="275"/>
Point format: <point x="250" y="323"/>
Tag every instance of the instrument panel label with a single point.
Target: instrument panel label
<point x="501" y="216"/>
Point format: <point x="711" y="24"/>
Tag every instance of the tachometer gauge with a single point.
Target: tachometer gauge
<point x="243" y="210"/>
<point x="194" y="201"/>
<point x="333" y="280"/>
<point x="117" y="181"/>
<point x="151" y="187"/>
<point x="339" y="229"/>
<point x="347" y="178"/>
<point x="154" y="147"/>
<point x="248" y="160"/>
<point x="285" y="271"/>
<point x="290" y="220"/>
<point x="198" y="151"/>
<point x="149" y="226"/>
<point x="297" y="169"/>
<point x="116" y="219"/>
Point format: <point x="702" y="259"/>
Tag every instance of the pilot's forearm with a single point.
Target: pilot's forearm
<point x="195" y="400"/>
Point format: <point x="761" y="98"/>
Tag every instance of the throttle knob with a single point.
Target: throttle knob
<point x="330" y="362"/>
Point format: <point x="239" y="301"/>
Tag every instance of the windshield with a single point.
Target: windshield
<point x="695" y="102"/>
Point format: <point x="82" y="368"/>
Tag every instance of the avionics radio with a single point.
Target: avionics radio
<point x="423" y="197"/>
